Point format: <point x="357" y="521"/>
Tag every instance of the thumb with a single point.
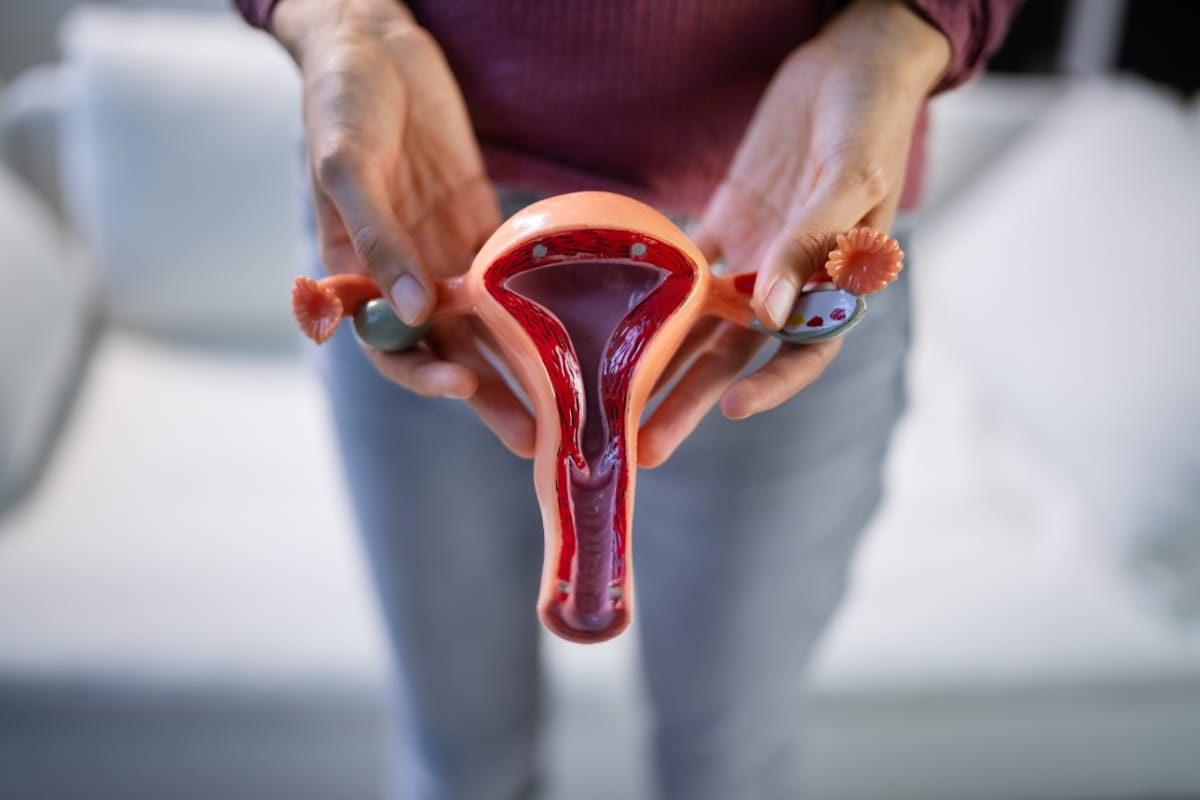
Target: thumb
<point x="808" y="235"/>
<point x="358" y="193"/>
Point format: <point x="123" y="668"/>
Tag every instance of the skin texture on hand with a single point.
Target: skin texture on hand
<point x="399" y="187"/>
<point x="826" y="151"/>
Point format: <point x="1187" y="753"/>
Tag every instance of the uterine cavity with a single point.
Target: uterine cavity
<point x="589" y="299"/>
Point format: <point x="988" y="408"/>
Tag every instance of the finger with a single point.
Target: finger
<point x="450" y="232"/>
<point x="461" y="372"/>
<point x="489" y="347"/>
<point x="790" y="370"/>
<point x="707" y="241"/>
<point x="844" y="196"/>
<point x="732" y="228"/>
<point x="880" y="218"/>
<point x="484" y="334"/>
<point x="708" y="244"/>
<point x="358" y="192"/>
<point x="492" y="400"/>
<point x="336" y="252"/>
<point x="727" y="354"/>
<point x="696" y="339"/>
<point x="422" y="372"/>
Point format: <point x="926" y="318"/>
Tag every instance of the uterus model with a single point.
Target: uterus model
<point x="590" y="295"/>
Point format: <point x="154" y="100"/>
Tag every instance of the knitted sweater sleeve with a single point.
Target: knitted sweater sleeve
<point x="975" y="29"/>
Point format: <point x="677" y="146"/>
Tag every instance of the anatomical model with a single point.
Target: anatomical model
<point x="590" y="295"/>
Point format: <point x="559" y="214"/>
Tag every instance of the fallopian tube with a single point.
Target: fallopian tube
<point x="590" y="295"/>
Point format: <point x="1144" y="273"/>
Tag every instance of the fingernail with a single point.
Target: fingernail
<point x="780" y="300"/>
<point x="454" y="390"/>
<point x="408" y="296"/>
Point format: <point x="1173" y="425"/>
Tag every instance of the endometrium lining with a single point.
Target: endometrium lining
<point x="589" y="299"/>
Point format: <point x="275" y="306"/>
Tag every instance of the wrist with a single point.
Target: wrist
<point x="300" y="25"/>
<point x="894" y="38"/>
<point x="932" y="53"/>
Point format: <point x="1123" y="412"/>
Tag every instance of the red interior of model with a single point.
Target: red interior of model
<point x="591" y="301"/>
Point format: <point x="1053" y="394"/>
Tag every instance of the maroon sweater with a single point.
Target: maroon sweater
<point x="641" y="96"/>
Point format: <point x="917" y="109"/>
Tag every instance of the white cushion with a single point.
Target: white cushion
<point x="970" y="126"/>
<point x="180" y="164"/>
<point x="30" y="111"/>
<point x="48" y="310"/>
<point x="193" y="524"/>
<point x="1072" y="280"/>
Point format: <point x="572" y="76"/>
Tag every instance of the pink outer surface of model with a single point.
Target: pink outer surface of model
<point x="590" y="295"/>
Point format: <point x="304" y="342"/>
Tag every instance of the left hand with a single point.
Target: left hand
<point x="826" y="151"/>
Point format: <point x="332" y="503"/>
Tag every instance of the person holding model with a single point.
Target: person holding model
<point x="771" y="126"/>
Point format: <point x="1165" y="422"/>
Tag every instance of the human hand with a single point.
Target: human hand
<point x="399" y="187"/>
<point x="826" y="151"/>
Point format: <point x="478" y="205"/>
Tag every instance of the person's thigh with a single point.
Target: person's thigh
<point x="742" y="543"/>
<point x="452" y="535"/>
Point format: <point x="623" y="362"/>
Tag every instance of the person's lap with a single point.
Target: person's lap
<point x="741" y="546"/>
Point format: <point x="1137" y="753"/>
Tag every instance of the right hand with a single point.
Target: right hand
<point x="399" y="187"/>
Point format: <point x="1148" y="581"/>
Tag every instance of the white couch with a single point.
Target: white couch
<point x="183" y="610"/>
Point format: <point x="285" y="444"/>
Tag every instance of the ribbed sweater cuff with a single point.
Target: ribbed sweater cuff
<point x="256" y="12"/>
<point x="975" y="29"/>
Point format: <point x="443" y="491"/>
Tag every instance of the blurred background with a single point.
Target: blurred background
<point x="183" y="611"/>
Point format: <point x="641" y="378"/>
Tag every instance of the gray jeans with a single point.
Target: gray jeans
<point x="741" y="548"/>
